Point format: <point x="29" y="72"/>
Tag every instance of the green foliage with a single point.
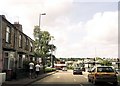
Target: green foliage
<point x="70" y="67"/>
<point x="50" y="69"/>
<point x="106" y="63"/>
<point x="42" y="39"/>
<point x="42" y="46"/>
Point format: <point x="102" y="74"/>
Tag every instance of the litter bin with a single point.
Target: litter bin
<point x="3" y="77"/>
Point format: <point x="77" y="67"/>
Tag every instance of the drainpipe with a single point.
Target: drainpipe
<point x="1" y="63"/>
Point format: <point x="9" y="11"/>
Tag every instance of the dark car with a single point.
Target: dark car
<point x="77" y="71"/>
<point x="83" y="69"/>
<point x="118" y="71"/>
<point x="102" y="74"/>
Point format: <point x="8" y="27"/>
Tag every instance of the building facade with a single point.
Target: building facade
<point x="15" y="47"/>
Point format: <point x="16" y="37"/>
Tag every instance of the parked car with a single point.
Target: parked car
<point x="118" y="71"/>
<point x="103" y="74"/>
<point x="83" y="69"/>
<point x="64" y="69"/>
<point x="77" y="71"/>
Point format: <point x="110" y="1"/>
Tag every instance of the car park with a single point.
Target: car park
<point x="102" y="74"/>
<point x="77" y="71"/>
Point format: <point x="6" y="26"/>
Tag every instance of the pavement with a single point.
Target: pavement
<point x="25" y="81"/>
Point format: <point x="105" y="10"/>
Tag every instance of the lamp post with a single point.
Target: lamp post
<point x="40" y="17"/>
<point x="40" y="39"/>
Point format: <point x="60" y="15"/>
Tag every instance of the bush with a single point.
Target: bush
<point x="70" y="67"/>
<point x="50" y="69"/>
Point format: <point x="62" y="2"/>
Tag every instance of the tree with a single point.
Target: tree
<point x="106" y="62"/>
<point x="42" y="46"/>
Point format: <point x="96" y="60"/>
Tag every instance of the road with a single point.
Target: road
<point x="65" y="78"/>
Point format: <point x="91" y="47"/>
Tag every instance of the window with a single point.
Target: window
<point x="105" y="69"/>
<point x="25" y="42"/>
<point x="93" y="69"/>
<point x="20" y="41"/>
<point x="20" y="61"/>
<point x="31" y="46"/>
<point x="9" y="60"/>
<point x="6" y="61"/>
<point x="8" y="34"/>
<point x="27" y="46"/>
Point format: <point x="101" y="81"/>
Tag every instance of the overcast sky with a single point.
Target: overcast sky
<point x="81" y="28"/>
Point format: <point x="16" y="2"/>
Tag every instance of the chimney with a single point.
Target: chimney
<point x="18" y="26"/>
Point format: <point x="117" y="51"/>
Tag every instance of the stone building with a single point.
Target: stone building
<point x="15" y="48"/>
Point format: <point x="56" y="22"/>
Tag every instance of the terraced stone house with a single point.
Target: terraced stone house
<point x="15" y="48"/>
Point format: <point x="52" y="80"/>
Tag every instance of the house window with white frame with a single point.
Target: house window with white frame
<point x="20" y="41"/>
<point x="31" y="46"/>
<point x="7" y="35"/>
<point x="9" y="60"/>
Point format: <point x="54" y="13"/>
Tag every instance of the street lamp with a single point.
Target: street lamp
<point x="40" y="36"/>
<point x="40" y="17"/>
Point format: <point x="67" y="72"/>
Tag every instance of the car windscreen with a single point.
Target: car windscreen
<point x="105" y="69"/>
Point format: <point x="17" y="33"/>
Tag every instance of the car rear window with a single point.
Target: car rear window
<point x="77" y="68"/>
<point x="105" y="69"/>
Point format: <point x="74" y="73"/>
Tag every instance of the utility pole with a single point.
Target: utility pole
<point x="52" y="61"/>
